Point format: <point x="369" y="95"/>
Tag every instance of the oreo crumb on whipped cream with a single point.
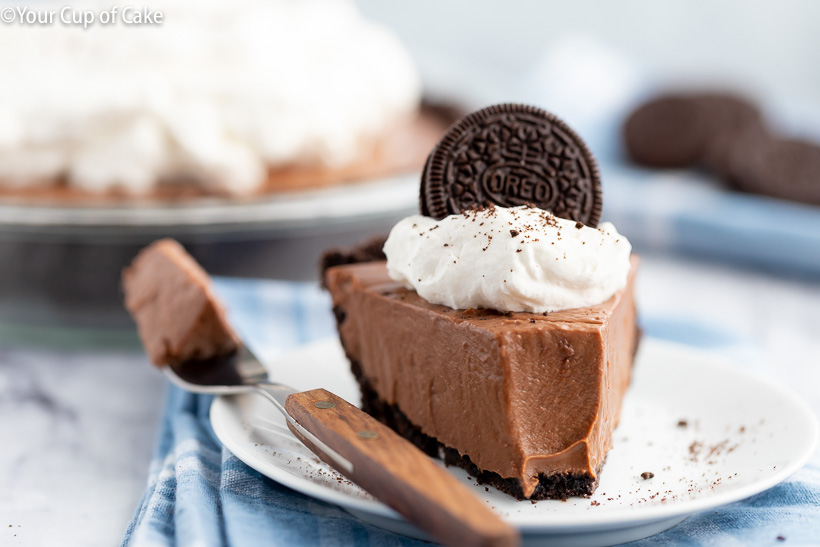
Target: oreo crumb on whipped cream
<point x="555" y="264"/>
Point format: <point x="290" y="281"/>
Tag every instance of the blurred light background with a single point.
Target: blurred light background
<point x="771" y="47"/>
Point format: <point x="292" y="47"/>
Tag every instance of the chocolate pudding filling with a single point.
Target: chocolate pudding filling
<point x="178" y="316"/>
<point x="525" y="402"/>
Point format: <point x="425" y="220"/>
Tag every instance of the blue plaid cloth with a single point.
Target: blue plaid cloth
<point x="200" y="494"/>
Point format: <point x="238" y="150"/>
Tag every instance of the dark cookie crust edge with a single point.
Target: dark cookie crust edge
<point x="369" y="251"/>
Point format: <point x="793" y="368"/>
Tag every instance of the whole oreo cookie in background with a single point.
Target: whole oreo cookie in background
<point x="727" y="116"/>
<point x="737" y="157"/>
<point x="762" y="163"/>
<point x="683" y="130"/>
<point x="727" y="135"/>
<point x="665" y="132"/>
<point x="510" y="155"/>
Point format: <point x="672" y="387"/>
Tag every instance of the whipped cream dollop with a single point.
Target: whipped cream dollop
<point x="218" y="93"/>
<point x="519" y="259"/>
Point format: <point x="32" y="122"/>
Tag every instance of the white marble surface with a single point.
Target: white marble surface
<point x="78" y="425"/>
<point x="77" y="431"/>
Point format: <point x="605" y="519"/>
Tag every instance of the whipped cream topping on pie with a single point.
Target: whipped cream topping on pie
<point x="519" y="259"/>
<point x="218" y="93"/>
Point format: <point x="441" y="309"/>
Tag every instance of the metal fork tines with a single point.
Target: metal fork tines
<point x="240" y="373"/>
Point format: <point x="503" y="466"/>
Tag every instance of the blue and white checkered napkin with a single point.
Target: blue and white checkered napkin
<point x="200" y="494"/>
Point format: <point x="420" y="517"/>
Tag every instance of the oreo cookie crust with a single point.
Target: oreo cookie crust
<point x="510" y="155"/>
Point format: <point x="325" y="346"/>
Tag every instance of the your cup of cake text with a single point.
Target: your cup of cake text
<point x="85" y="18"/>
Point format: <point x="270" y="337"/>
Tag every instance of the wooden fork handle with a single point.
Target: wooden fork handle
<point x="397" y="473"/>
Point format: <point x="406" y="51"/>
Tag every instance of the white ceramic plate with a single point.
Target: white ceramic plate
<point x="743" y="434"/>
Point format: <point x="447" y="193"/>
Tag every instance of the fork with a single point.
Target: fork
<point x="366" y="451"/>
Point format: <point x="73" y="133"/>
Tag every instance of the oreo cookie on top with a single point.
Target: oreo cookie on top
<point x="510" y="155"/>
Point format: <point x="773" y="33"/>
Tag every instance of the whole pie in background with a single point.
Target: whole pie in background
<point x="231" y="99"/>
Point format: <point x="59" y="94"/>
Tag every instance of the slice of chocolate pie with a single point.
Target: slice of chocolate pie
<point x="171" y="299"/>
<point x="500" y="338"/>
